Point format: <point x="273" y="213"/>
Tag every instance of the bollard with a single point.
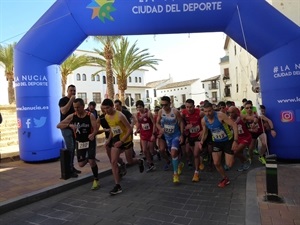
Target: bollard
<point x="271" y="179"/>
<point x="65" y="169"/>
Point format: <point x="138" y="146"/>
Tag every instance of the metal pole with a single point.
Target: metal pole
<point x="271" y="179"/>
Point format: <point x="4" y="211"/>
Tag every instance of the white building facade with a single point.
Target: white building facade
<point x="242" y="67"/>
<point x="179" y="92"/>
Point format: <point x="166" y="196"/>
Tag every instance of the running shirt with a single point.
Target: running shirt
<point x="244" y="136"/>
<point x="169" y="123"/>
<point x="83" y="129"/>
<point x="117" y="127"/>
<point x="104" y="125"/>
<point x="220" y="131"/>
<point x="146" y="125"/>
<point x="195" y="120"/>
<point x="255" y="128"/>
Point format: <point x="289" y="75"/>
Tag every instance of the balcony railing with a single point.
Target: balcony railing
<point x="226" y="77"/>
<point x="213" y="86"/>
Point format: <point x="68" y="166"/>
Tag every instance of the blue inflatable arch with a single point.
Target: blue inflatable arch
<point x="272" y="38"/>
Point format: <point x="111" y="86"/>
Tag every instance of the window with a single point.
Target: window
<point x="114" y="80"/>
<point x="84" y="77"/>
<point x="135" y="79"/>
<point x="137" y="97"/>
<point x="203" y="86"/>
<point x="154" y="93"/>
<point x="183" y="98"/>
<point x="83" y="96"/>
<point x="129" y="79"/>
<point x="237" y="88"/>
<point x="97" y="97"/>
<point x="214" y="97"/>
<point x="226" y="73"/>
<point x="235" y="50"/>
<point x="104" y="79"/>
<point x="92" y="78"/>
<point x="97" y="77"/>
<point x="78" y="77"/>
<point x="147" y="93"/>
<point x="140" y="80"/>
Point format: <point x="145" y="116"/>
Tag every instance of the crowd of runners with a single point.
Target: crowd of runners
<point x="189" y="135"/>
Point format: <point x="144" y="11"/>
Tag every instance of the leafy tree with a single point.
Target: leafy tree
<point x="105" y="61"/>
<point x="7" y="58"/>
<point x="72" y="63"/>
<point x="128" y="59"/>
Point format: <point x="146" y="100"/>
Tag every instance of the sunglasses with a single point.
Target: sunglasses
<point x="162" y="105"/>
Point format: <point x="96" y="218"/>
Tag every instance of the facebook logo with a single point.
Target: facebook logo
<point x="28" y="122"/>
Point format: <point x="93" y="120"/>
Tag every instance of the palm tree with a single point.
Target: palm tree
<point x="72" y="63"/>
<point x="108" y="54"/>
<point x="7" y="58"/>
<point x="128" y="59"/>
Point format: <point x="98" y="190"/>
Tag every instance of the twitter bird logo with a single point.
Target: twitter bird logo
<point x="39" y="122"/>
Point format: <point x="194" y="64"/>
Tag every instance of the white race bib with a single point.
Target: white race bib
<point x="116" y="130"/>
<point x="169" y="128"/>
<point x="83" y="145"/>
<point x="240" y="129"/>
<point x="145" y="126"/>
<point x="219" y="134"/>
<point x="194" y="130"/>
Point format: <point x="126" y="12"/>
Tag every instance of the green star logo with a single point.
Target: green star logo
<point x="102" y="9"/>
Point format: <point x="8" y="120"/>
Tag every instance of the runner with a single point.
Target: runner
<point x="218" y="123"/>
<point x="170" y="124"/>
<point x="84" y="125"/>
<point x="120" y="139"/>
<point x="192" y="117"/>
<point x="146" y="129"/>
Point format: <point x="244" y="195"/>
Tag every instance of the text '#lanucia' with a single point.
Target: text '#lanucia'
<point x="31" y="80"/>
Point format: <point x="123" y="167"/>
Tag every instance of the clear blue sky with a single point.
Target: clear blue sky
<point x="185" y="56"/>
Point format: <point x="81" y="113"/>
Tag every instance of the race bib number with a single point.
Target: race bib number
<point x="116" y="130"/>
<point x="169" y="128"/>
<point x="240" y="129"/>
<point x="194" y="130"/>
<point x="83" y="145"/>
<point x="145" y="126"/>
<point x="219" y="134"/>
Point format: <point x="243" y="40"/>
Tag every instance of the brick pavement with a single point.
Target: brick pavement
<point x="242" y="202"/>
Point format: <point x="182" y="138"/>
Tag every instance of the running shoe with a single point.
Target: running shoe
<point x="150" y="168"/>
<point x="262" y="160"/>
<point x="201" y="166"/>
<point x="166" y="167"/>
<point x="246" y="165"/>
<point x="180" y="167"/>
<point x="226" y="167"/>
<point x="116" y="190"/>
<point x="241" y="168"/>
<point x="224" y="182"/>
<point x="96" y="185"/>
<point x="141" y="165"/>
<point x="76" y="171"/>
<point x="255" y="151"/>
<point x="195" y="177"/>
<point x="122" y="170"/>
<point x="175" y="178"/>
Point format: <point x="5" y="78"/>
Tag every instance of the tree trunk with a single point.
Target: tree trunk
<point x="10" y="89"/>
<point x="110" y="80"/>
<point x="122" y="86"/>
<point x="63" y="85"/>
